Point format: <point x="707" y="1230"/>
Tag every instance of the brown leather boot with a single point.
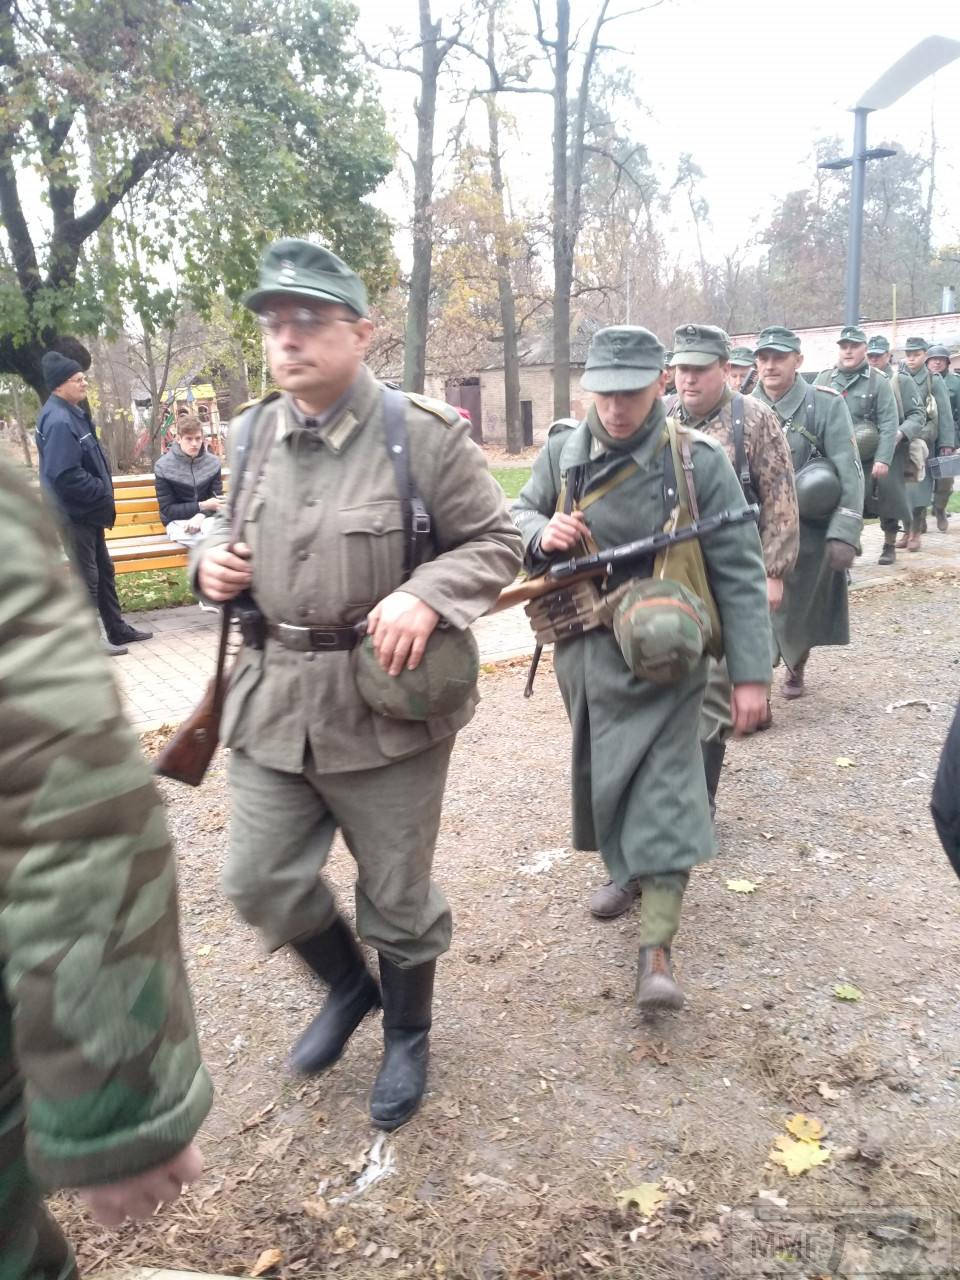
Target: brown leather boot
<point x="793" y="682"/>
<point x="656" y="986"/>
<point x="610" y="901"/>
<point x="913" y="542"/>
<point x="901" y="542"/>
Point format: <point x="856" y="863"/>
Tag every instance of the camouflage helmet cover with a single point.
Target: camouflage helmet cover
<point x="440" y="685"/>
<point x="662" y="629"/>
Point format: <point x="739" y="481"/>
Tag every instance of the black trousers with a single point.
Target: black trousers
<point x="88" y="544"/>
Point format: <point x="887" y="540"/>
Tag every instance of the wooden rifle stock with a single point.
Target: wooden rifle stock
<point x="186" y="757"/>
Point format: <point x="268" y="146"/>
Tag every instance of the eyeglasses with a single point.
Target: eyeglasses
<point x="304" y="322"/>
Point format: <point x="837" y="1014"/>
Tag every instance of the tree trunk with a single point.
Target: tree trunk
<point x="21" y="428"/>
<point x="562" y="231"/>
<point x="508" y="310"/>
<point x="415" y="335"/>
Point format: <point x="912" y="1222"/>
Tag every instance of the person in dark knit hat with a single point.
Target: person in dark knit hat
<point x="75" y="475"/>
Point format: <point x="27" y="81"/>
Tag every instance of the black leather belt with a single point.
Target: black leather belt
<point x="315" y="639"/>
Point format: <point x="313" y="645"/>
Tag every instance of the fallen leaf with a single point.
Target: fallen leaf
<point x="844" y="762"/>
<point x="797" y="1157"/>
<point x="315" y="1207"/>
<point x="741" y="886"/>
<point x="806" y="1128"/>
<point x="258" y="1117"/>
<point x="344" y="1240"/>
<point x="710" y="1236"/>
<point x="204" y="950"/>
<point x="647" y="1197"/>
<point x="827" y="1092"/>
<point x="269" y="1259"/>
<point x="675" y="1186"/>
<point x="847" y="991"/>
<point x="648" y="1050"/>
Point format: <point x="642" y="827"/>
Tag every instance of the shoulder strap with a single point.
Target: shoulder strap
<point x="677" y="438"/>
<point x="254" y="461"/>
<point x="416" y="518"/>
<point x="740" y="453"/>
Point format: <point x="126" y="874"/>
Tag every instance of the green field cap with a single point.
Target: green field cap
<point x="850" y="333"/>
<point x="743" y="356"/>
<point x="299" y="269"/>
<point x="622" y="358"/>
<point x="776" y="338"/>
<point x="916" y="344"/>
<point x="699" y="344"/>
<point x="878" y="345"/>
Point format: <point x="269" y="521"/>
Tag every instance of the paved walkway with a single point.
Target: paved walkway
<point x="162" y="679"/>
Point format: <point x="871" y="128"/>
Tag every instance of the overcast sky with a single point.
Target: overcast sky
<point x="746" y="87"/>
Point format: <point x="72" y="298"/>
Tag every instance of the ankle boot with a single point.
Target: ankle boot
<point x="889" y="554"/>
<point x="335" y="957"/>
<point x="793" y="686"/>
<point x="713" y="753"/>
<point x="901" y="542"/>
<point x="657" y="988"/>
<point x="942" y="523"/>
<point x="407" y="1002"/>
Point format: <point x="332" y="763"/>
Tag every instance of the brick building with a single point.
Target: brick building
<point x="820" y="344"/>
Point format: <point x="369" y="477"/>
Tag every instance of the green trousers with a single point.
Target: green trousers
<point x="942" y="490"/>
<point x="283" y="824"/>
<point x="32" y="1246"/>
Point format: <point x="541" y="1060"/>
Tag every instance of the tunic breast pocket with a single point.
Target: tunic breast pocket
<point x="371" y="552"/>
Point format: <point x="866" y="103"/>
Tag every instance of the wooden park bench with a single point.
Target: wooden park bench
<point x="138" y="540"/>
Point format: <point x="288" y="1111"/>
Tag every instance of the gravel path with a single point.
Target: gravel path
<point x="550" y="1096"/>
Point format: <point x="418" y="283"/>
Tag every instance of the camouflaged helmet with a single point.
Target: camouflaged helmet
<point x="440" y="685"/>
<point x="818" y="490"/>
<point x="868" y="440"/>
<point x="662" y="629"/>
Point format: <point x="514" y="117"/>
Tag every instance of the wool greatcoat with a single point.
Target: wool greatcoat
<point x="639" y="794"/>
<point x="870" y="399"/>
<point x="815" y="608"/>
<point x="939" y="432"/>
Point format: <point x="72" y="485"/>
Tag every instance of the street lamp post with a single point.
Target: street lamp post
<point x="922" y="61"/>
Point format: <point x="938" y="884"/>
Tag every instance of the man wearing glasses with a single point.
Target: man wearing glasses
<point x="325" y="546"/>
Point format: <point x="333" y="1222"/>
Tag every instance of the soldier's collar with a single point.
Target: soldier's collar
<point x="694" y="419"/>
<point x="338" y="425"/>
<point x="788" y="403"/>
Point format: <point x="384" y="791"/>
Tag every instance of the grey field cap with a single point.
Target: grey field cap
<point x="622" y="358"/>
<point x="776" y="338"/>
<point x="916" y="344"/>
<point x="301" y="269"/>
<point x="745" y="356"/>
<point x="699" y="344"/>
<point x="878" y="345"/>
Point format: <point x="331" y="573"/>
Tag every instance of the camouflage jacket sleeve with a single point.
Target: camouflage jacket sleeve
<point x="771" y="470"/>
<point x="103" y="1028"/>
<point x="840" y="446"/>
<point x="946" y="428"/>
<point x="914" y="414"/>
<point x="888" y="419"/>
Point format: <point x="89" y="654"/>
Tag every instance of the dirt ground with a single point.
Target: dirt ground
<point x="550" y="1097"/>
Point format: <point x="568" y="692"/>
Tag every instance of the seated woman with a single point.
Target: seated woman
<point x="189" y="484"/>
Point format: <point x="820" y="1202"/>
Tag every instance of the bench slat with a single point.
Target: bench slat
<point x="127" y="532"/>
<point x="172" y="561"/>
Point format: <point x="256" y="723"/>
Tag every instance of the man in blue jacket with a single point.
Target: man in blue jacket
<point x="75" y="474"/>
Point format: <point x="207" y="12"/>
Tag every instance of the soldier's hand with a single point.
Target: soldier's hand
<point x="400" y="626"/>
<point x="774" y="593"/>
<point x="563" y="532"/>
<point x="880" y="469"/>
<point x="142" y="1195"/>
<point x="840" y="555"/>
<point x="748" y="707"/>
<point x="225" y="571"/>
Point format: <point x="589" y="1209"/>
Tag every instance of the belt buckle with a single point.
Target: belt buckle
<point x="323" y="638"/>
<point x="292" y="637"/>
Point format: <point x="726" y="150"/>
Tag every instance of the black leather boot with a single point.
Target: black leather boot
<point x="335" y="957"/>
<point x="713" y="753"/>
<point x="407" y="1002"/>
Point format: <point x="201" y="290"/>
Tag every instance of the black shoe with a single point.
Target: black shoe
<point x="888" y="555"/>
<point x="112" y="650"/>
<point x="713" y="753"/>
<point x="407" y="1001"/>
<point x="335" y="957"/>
<point x="130" y="635"/>
<point x="942" y="523"/>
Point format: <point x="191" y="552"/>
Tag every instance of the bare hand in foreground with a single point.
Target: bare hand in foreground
<point x="225" y="572"/>
<point x="400" y="626"/>
<point x="141" y="1196"/>
<point x="563" y="532"/>
<point x="774" y="593"/>
<point x="748" y="706"/>
<point x="210" y="505"/>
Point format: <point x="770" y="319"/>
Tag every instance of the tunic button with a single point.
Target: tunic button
<point x="378" y="526"/>
<point x="309" y="656"/>
<point x="303" y="555"/>
<point x="302" y="611"/>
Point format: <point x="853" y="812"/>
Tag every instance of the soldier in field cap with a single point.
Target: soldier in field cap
<point x="829" y="482"/>
<point x="881" y="440"/>
<point x="742" y="370"/>
<point x="938" y="362"/>
<point x="939" y="433"/>
<point x="639" y="792"/>
<point x="370" y="506"/>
